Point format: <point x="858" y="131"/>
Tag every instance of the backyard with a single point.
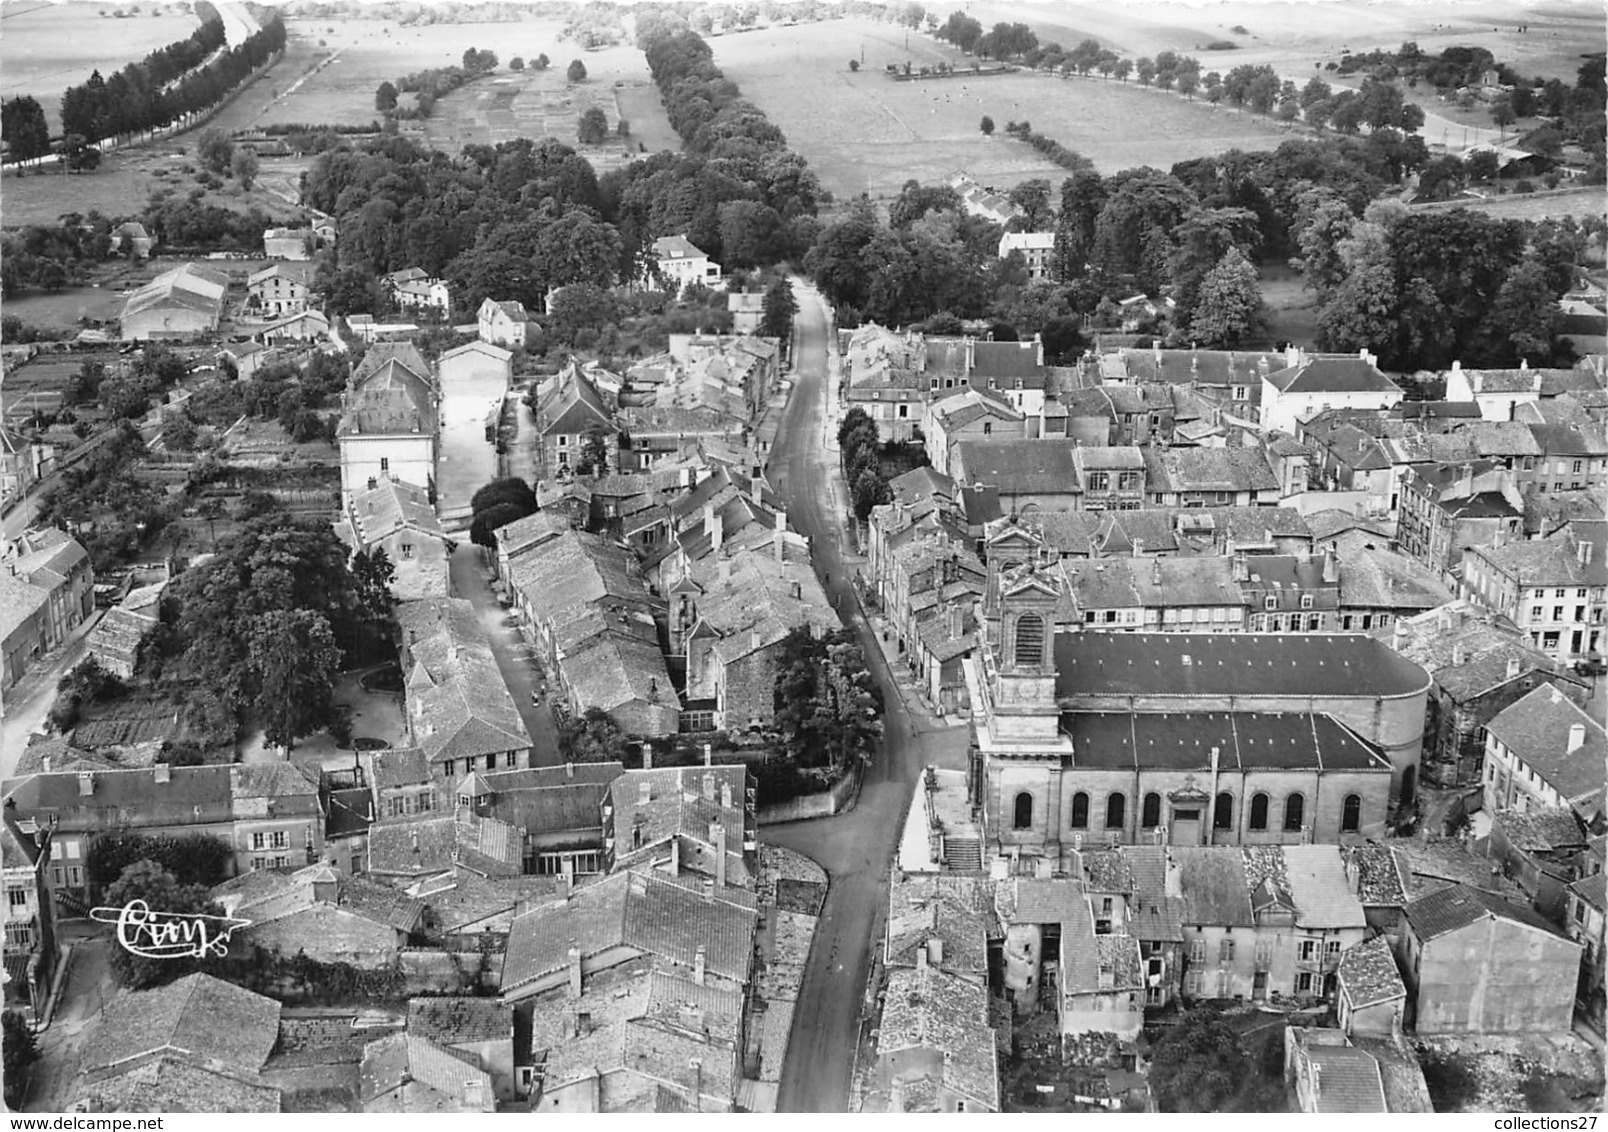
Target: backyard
<point x="929" y="130"/>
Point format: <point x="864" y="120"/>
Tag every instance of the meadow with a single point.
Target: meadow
<point x="864" y="133"/>
<point x="46" y="48"/>
<point x="332" y="68"/>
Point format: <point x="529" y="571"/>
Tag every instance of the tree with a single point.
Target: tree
<point x="295" y="660"/>
<point x="385" y="97"/>
<point x="987" y="126"/>
<point x="542" y="62"/>
<point x="81" y="156"/>
<point x="487" y="521"/>
<point x="1526" y="315"/>
<point x="1230" y="307"/>
<point x="594" y="737"/>
<point x="150" y="882"/>
<point x="21" y="1051"/>
<point x="24" y="129"/>
<point x="854" y="65"/>
<point x="373" y="574"/>
<point x="214" y="150"/>
<point x="1146" y="68"/>
<point x="1122" y="69"/>
<point x="778" y="310"/>
<point x="827" y="706"/>
<point x="197" y="858"/>
<point x="1033" y="198"/>
<point x="1483" y="165"/>
<point x="594" y="127"/>
<point x="594" y="457"/>
<point x="244" y="166"/>
<point x="517" y="63"/>
<point x="870" y="490"/>
<point x="1201" y="1065"/>
<point x="576" y="72"/>
<point x="1502" y="110"/>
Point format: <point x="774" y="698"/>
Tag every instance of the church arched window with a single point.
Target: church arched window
<point x="1351" y="813"/>
<point x="1150" y="815"/>
<point x="1116" y="811"/>
<point x="1294" y="813"/>
<point x="1223" y="811"/>
<point x="1024" y="811"/>
<point x="1259" y="811"/>
<point x="1080" y="810"/>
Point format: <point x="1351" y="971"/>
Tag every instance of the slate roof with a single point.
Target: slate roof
<point x="1536" y="729"/>
<point x="1019" y="466"/>
<point x="1196" y="664"/>
<point x="1485" y="648"/>
<point x="489" y="847"/>
<point x="1540" y="829"/>
<point x="196" y="1014"/>
<point x="1332" y="375"/>
<point x="683" y="802"/>
<point x="170" y="1082"/>
<point x="1317" y="880"/>
<point x="1460" y="906"/>
<point x="1152" y="914"/>
<point x="1375" y="576"/>
<point x="638" y="910"/>
<point x="677" y="247"/>
<point x="951" y="909"/>
<point x="1552" y="561"/>
<point x="395" y="767"/>
<point x="570" y="404"/>
<point x="548" y="800"/>
<point x="1348" y="1080"/>
<point x="1380" y="882"/>
<point x="391" y="506"/>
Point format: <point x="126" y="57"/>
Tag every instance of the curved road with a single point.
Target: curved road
<point x="855" y="848"/>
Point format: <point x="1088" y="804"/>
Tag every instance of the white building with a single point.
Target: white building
<point x="504" y="324"/>
<point x="1308" y="385"/>
<point x="1036" y="249"/>
<point x="391" y="424"/>
<point x="277" y="290"/>
<point x="679" y="262"/>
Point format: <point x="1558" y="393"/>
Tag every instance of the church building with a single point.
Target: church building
<point x="1183" y="739"/>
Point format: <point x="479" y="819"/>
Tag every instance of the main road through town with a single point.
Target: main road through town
<point x="855" y="848"/>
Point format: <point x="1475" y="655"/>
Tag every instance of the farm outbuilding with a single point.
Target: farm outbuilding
<point x="181" y="303"/>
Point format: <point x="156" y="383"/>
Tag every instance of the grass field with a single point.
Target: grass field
<point x="331" y="69"/>
<point x="1292" y="35"/>
<point x="929" y="130"/>
<point x="46" y="48"/>
<point x="125" y="181"/>
<point x="1538" y="206"/>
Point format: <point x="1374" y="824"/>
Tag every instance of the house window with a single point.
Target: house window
<point x="1225" y="951"/>
<point x="563" y="441"/>
<point x="1294" y="813"/>
<point x="280" y="840"/>
<point x="1309" y="950"/>
<point x="1351" y="813"/>
<point x="1223" y="811"/>
<point x="1197" y="951"/>
<point x="988" y="428"/>
<point x="1306" y="601"/>
<point x="1332" y="948"/>
<point x="1270" y="602"/>
<point x="1080" y="810"/>
<point x="259" y="841"/>
<point x="256" y="864"/>
<point x="1024" y="811"/>
<point x="1580" y="911"/>
<point x="1303" y="983"/>
<point x="17" y="897"/>
<point x="1259" y="811"/>
<point x="385" y="463"/>
<point x="1116" y="811"/>
<point x="1150" y="813"/>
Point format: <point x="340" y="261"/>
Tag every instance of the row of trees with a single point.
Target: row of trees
<point x="860" y="450"/>
<point x="133" y="101"/>
<point x="828" y="708"/>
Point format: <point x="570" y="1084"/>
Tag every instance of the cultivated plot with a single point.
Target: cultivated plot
<point x="863" y="132"/>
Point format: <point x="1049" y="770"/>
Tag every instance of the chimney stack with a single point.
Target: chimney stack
<point x="779" y="539"/>
<point x="725" y="795"/>
<point x="716" y="527"/>
<point x="718" y="836"/>
<point x="1577" y="737"/>
<point x="1398" y="634"/>
<point x="644" y="792"/>
<point x="935" y="951"/>
<point x="575" y="972"/>
<point x="86" y="784"/>
<point x="675" y="856"/>
<point x="921" y="959"/>
<point x="1513" y="667"/>
<point x="1457" y="655"/>
<point x="162" y="772"/>
<point x="709" y="754"/>
<point x="709" y="786"/>
<point x="699" y="964"/>
<point x="1331" y="568"/>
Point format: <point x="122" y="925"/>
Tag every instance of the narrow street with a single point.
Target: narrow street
<point x="24" y="705"/>
<point x="470" y="579"/>
<point x="855" y="848"/>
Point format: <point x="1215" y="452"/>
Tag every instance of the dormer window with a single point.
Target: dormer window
<point x="1306" y="601"/>
<point x="1270" y="602"/>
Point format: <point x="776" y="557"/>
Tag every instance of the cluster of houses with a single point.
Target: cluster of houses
<point x="1227" y="626"/>
<point x="573" y="938"/>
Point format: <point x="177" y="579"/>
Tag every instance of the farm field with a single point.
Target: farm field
<point x="1292" y="36"/>
<point x="125" y="181"/>
<point x="46" y="48"/>
<point x="929" y="129"/>
<point x="1537" y="206"/>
